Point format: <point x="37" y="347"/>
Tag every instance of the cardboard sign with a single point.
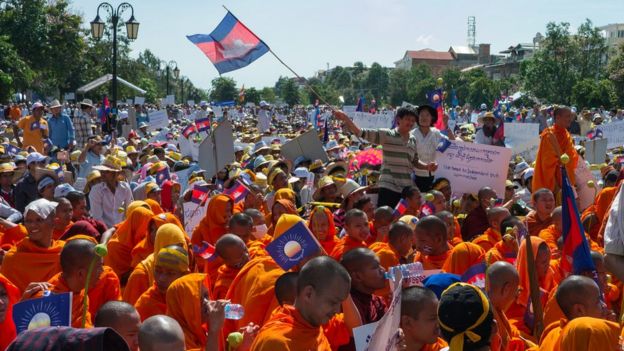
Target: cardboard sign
<point x="188" y="147"/>
<point x="190" y="102"/>
<point x="139" y="100"/>
<point x="373" y="121"/>
<point x="595" y="151"/>
<point x="158" y="120"/>
<point x="614" y="133"/>
<point x="183" y="177"/>
<point x="217" y="149"/>
<point x="307" y="144"/>
<point x="470" y="166"/>
<point x="69" y="96"/>
<point x="193" y="214"/>
<point x="386" y="335"/>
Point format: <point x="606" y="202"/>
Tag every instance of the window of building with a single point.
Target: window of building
<point x="620" y="33"/>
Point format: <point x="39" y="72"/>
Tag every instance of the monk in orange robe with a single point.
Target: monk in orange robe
<point x="431" y="242"/>
<point x="188" y="303"/>
<point x="462" y="257"/>
<point x="63" y="219"/>
<point x="107" y="288"/>
<point x="280" y="207"/>
<point x="171" y="263"/>
<point x="517" y="312"/>
<point x="394" y="252"/>
<point x="214" y="223"/>
<point x="419" y="322"/>
<point x="492" y="235"/>
<point x="7" y="327"/>
<point x="453" y="229"/>
<point x="128" y="234"/>
<point x="36" y="257"/>
<point x="321" y="223"/>
<point x="146" y="246"/>
<point x="587" y="333"/>
<point x="77" y="257"/>
<point x="357" y="231"/>
<point x="142" y="276"/>
<point x="234" y="254"/>
<point x="501" y="284"/>
<point x="154" y="206"/>
<point x="299" y="327"/>
<point x="541" y="217"/>
<point x="554" y="142"/>
<point x="11" y="235"/>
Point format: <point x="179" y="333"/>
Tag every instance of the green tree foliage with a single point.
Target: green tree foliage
<point x="288" y="91"/>
<point x="268" y="94"/>
<point x="252" y="95"/>
<point x="223" y="89"/>
<point x="594" y="93"/>
<point x="615" y="71"/>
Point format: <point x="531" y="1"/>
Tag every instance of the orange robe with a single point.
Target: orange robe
<point x="488" y="239"/>
<point x="462" y="257"/>
<point x="225" y="277"/>
<point x="587" y="333"/>
<point x="551" y="336"/>
<point x="345" y="244"/>
<point x="388" y="257"/>
<point x="335" y="330"/>
<point x="508" y="336"/>
<point x="536" y="225"/>
<point x="600" y="207"/>
<point x="12" y="236"/>
<point x="288" y="331"/>
<point x="257" y="247"/>
<point x="106" y="289"/>
<point x="330" y="241"/>
<point x="213" y="225"/>
<point x="552" y="312"/>
<point x="547" y="174"/>
<point x="432" y="261"/>
<point x="457" y="236"/>
<point x="154" y="206"/>
<point x="7" y="327"/>
<point x="27" y="262"/>
<point x="151" y="303"/>
<point x="128" y="234"/>
<point x="58" y="233"/>
<point x="550" y="235"/>
<point x="502" y="251"/>
<point x="59" y="286"/>
<point x="254" y="289"/>
<point x="145" y="247"/>
<point x="436" y="346"/>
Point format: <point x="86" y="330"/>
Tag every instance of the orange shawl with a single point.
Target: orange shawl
<point x="587" y="333"/>
<point x="146" y="246"/>
<point x="550" y="235"/>
<point x="330" y="238"/>
<point x="27" y="262"/>
<point x="547" y="173"/>
<point x="59" y="286"/>
<point x="488" y="239"/>
<point x="12" y="236"/>
<point x="535" y="225"/>
<point x="225" y="277"/>
<point x="551" y="336"/>
<point x="58" y="233"/>
<point x="345" y="244"/>
<point x="151" y="303"/>
<point x="387" y="258"/>
<point x="213" y="225"/>
<point x="436" y="346"/>
<point x="254" y="289"/>
<point x="502" y="251"/>
<point x="286" y="330"/>
<point x="7" y="327"/>
<point x="523" y="271"/>
<point x="184" y="304"/>
<point x="432" y="262"/>
<point x="126" y="237"/>
<point x="463" y="256"/>
<point x="154" y="206"/>
<point x="285" y="194"/>
<point x="457" y="236"/>
<point x="290" y="209"/>
<point x="106" y="289"/>
<point x="552" y="311"/>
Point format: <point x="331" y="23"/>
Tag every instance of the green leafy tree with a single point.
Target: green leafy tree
<point x="420" y="82"/>
<point x="397" y="86"/>
<point x="591" y="93"/>
<point x="252" y="95"/>
<point x="268" y="94"/>
<point x="14" y="72"/>
<point x="615" y="72"/>
<point x="289" y="92"/>
<point x="377" y="81"/>
<point x="223" y="89"/>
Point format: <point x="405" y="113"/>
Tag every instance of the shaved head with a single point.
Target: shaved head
<point x="501" y="273"/>
<point x="161" y="333"/>
<point x="286" y="288"/>
<point x="123" y="318"/>
<point x="413" y="300"/>
<point x="432" y="225"/>
<point x="485" y="192"/>
<point x="228" y="241"/>
<point x="557" y="212"/>
<point x="573" y="291"/>
<point x="356" y="259"/>
<point x="398" y="231"/>
<point x="77" y="254"/>
<point x="494" y="212"/>
<point x="319" y="271"/>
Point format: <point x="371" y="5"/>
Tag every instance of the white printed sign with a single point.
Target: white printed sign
<point x="218" y="111"/>
<point x="517" y="134"/>
<point x="158" y="120"/>
<point x="373" y="121"/>
<point x="470" y="166"/>
<point x="139" y="100"/>
<point x="595" y="151"/>
<point x="386" y="335"/>
<point x="349" y="108"/>
<point x="129" y="102"/>
<point x="362" y="335"/>
<point x="169" y="100"/>
<point x="528" y="150"/>
<point x="614" y="133"/>
<point x="193" y="214"/>
<point x="264" y="120"/>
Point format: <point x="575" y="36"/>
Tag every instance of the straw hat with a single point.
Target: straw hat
<point x="110" y="164"/>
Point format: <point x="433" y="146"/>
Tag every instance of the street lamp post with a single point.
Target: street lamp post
<point x="176" y="72"/>
<point x="97" y="30"/>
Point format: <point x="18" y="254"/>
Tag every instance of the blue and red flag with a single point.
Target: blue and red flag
<point x="400" y="208"/>
<point x="436" y="99"/>
<point x="104" y="110"/>
<point x="199" y="194"/>
<point x="231" y="45"/>
<point x="360" y="104"/>
<point x="11" y="149"/>
<point x="238" y="191"/>
<point x="162" y="175"/>
<point x="575" y="255"/>
<point x="427" y="209"/>
<point x="475" y="275"/>
<point x="189" y="130"/>
<point x="202" y="124"/>
<point x="595" y="133"/>
<point x="206" y="251"/>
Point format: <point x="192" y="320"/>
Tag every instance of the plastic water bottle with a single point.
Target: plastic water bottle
<point x="413" y="273"/>
<point x="234" y="311"/>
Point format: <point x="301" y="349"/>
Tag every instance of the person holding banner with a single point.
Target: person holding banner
<point x="556" y="145"/>
<point x="400" y="155"/>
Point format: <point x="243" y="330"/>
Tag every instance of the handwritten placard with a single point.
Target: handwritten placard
<point x="193" y="214"/>
<point x="527" y="150"/>
<point x="158" y="120"/>
<point x="470" y="166"/>
<point x="373" y="121"/>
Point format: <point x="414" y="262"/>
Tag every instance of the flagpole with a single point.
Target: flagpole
<point x="305" y="81"/>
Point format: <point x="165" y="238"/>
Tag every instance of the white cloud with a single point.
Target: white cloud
<point x="424" y="39"/>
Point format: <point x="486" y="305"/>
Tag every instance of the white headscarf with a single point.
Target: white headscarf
<point x="42" y="207"/>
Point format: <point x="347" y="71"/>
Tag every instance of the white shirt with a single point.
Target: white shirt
<point x="105" y="205"/>
<point x="480" y="138"/>
<point x="426" y="146"/>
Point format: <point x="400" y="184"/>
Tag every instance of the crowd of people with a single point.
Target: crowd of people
<point x="88" y="210"/>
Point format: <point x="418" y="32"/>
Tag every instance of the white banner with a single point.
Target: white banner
<point x="193" y="214"/>
<point x="614" y="133"/>
<point x="218" y="111"/>
<point x="528" y="150"/>
<point x="139" y="100"/>
<point x="373" y="121"/>
<point x="158" y="120"/>
<point x="386" y="335"/>
<point x="595" y="151"/>
<point x="191" y="103"/>
<point x="69" y="96"/>
<point x="169" y="100"/>
<point x="349" y="108"/>
<point x="469" y="167"/>
<point x="517" y="134"/>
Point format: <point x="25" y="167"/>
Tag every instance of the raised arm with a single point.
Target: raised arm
<point x="341" y="116"/>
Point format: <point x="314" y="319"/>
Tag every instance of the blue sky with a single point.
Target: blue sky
<point x="309" y="34"/>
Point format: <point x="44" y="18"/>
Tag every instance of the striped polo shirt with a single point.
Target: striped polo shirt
<point x="399" y="157"/>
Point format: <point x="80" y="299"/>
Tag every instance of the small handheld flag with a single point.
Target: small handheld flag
<point x="202" y="124"/>
<point x="11" y="149"/>
<point x="436" y="98"/>
<point x="205" y="251"/>
<point x="443" y="144"/>
<point x="475" y="275"/>
<point x="231" y="45"/>
<point x="53" y="310"/>
<point x="575" y="255"/>
<point x="238" y="191"/>
<point x="162" y="175"/>
<point x="296" y="244"/>
<point x="400" y="208"/>
<point x="199" y="194"/>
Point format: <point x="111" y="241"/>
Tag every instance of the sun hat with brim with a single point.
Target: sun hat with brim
<point x="55" y="103"/>
<point x="338" y="166"/>
<point x="510" y="184"/>
<point x="482" y="118"/>
<point x="110" y="164"/>
<point x="528" y="174"/>
<point x="410" y="220"/>
<point x="260" y="162"/>
<point x="324" y="182"/>
<point x="260" y="146"/>
<point x="316" y="167"/>
<point x="519" y="168"/>
<point x="86" y="102"/>
<point x="261" y="181"/>
<point x="350" y="187"/>
<point x="93" y="175"/>
<point x="62" y="190"/>
<point x="7" y="168"/>
<point x="35" y="157"/>
<point x="151" y="186"/>
<point x="274" y="174"/>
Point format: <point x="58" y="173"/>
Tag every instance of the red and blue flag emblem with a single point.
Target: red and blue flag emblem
<point x="189" y="130"/>
<point x="200" y="193"/>
<point x="400" y="208"/>
<point x="238" y="191"/>
<point x="475" y="275"/>
<point x="231" y="45"/>
<point x="202" y="124"/>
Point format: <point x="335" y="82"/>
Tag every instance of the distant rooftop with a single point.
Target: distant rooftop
<point x="428" y="54"/>
<point x="462" y="50"/>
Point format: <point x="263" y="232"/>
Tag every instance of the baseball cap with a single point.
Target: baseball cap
<point x="35" y="157"/>
<point x="63" y="189"/>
